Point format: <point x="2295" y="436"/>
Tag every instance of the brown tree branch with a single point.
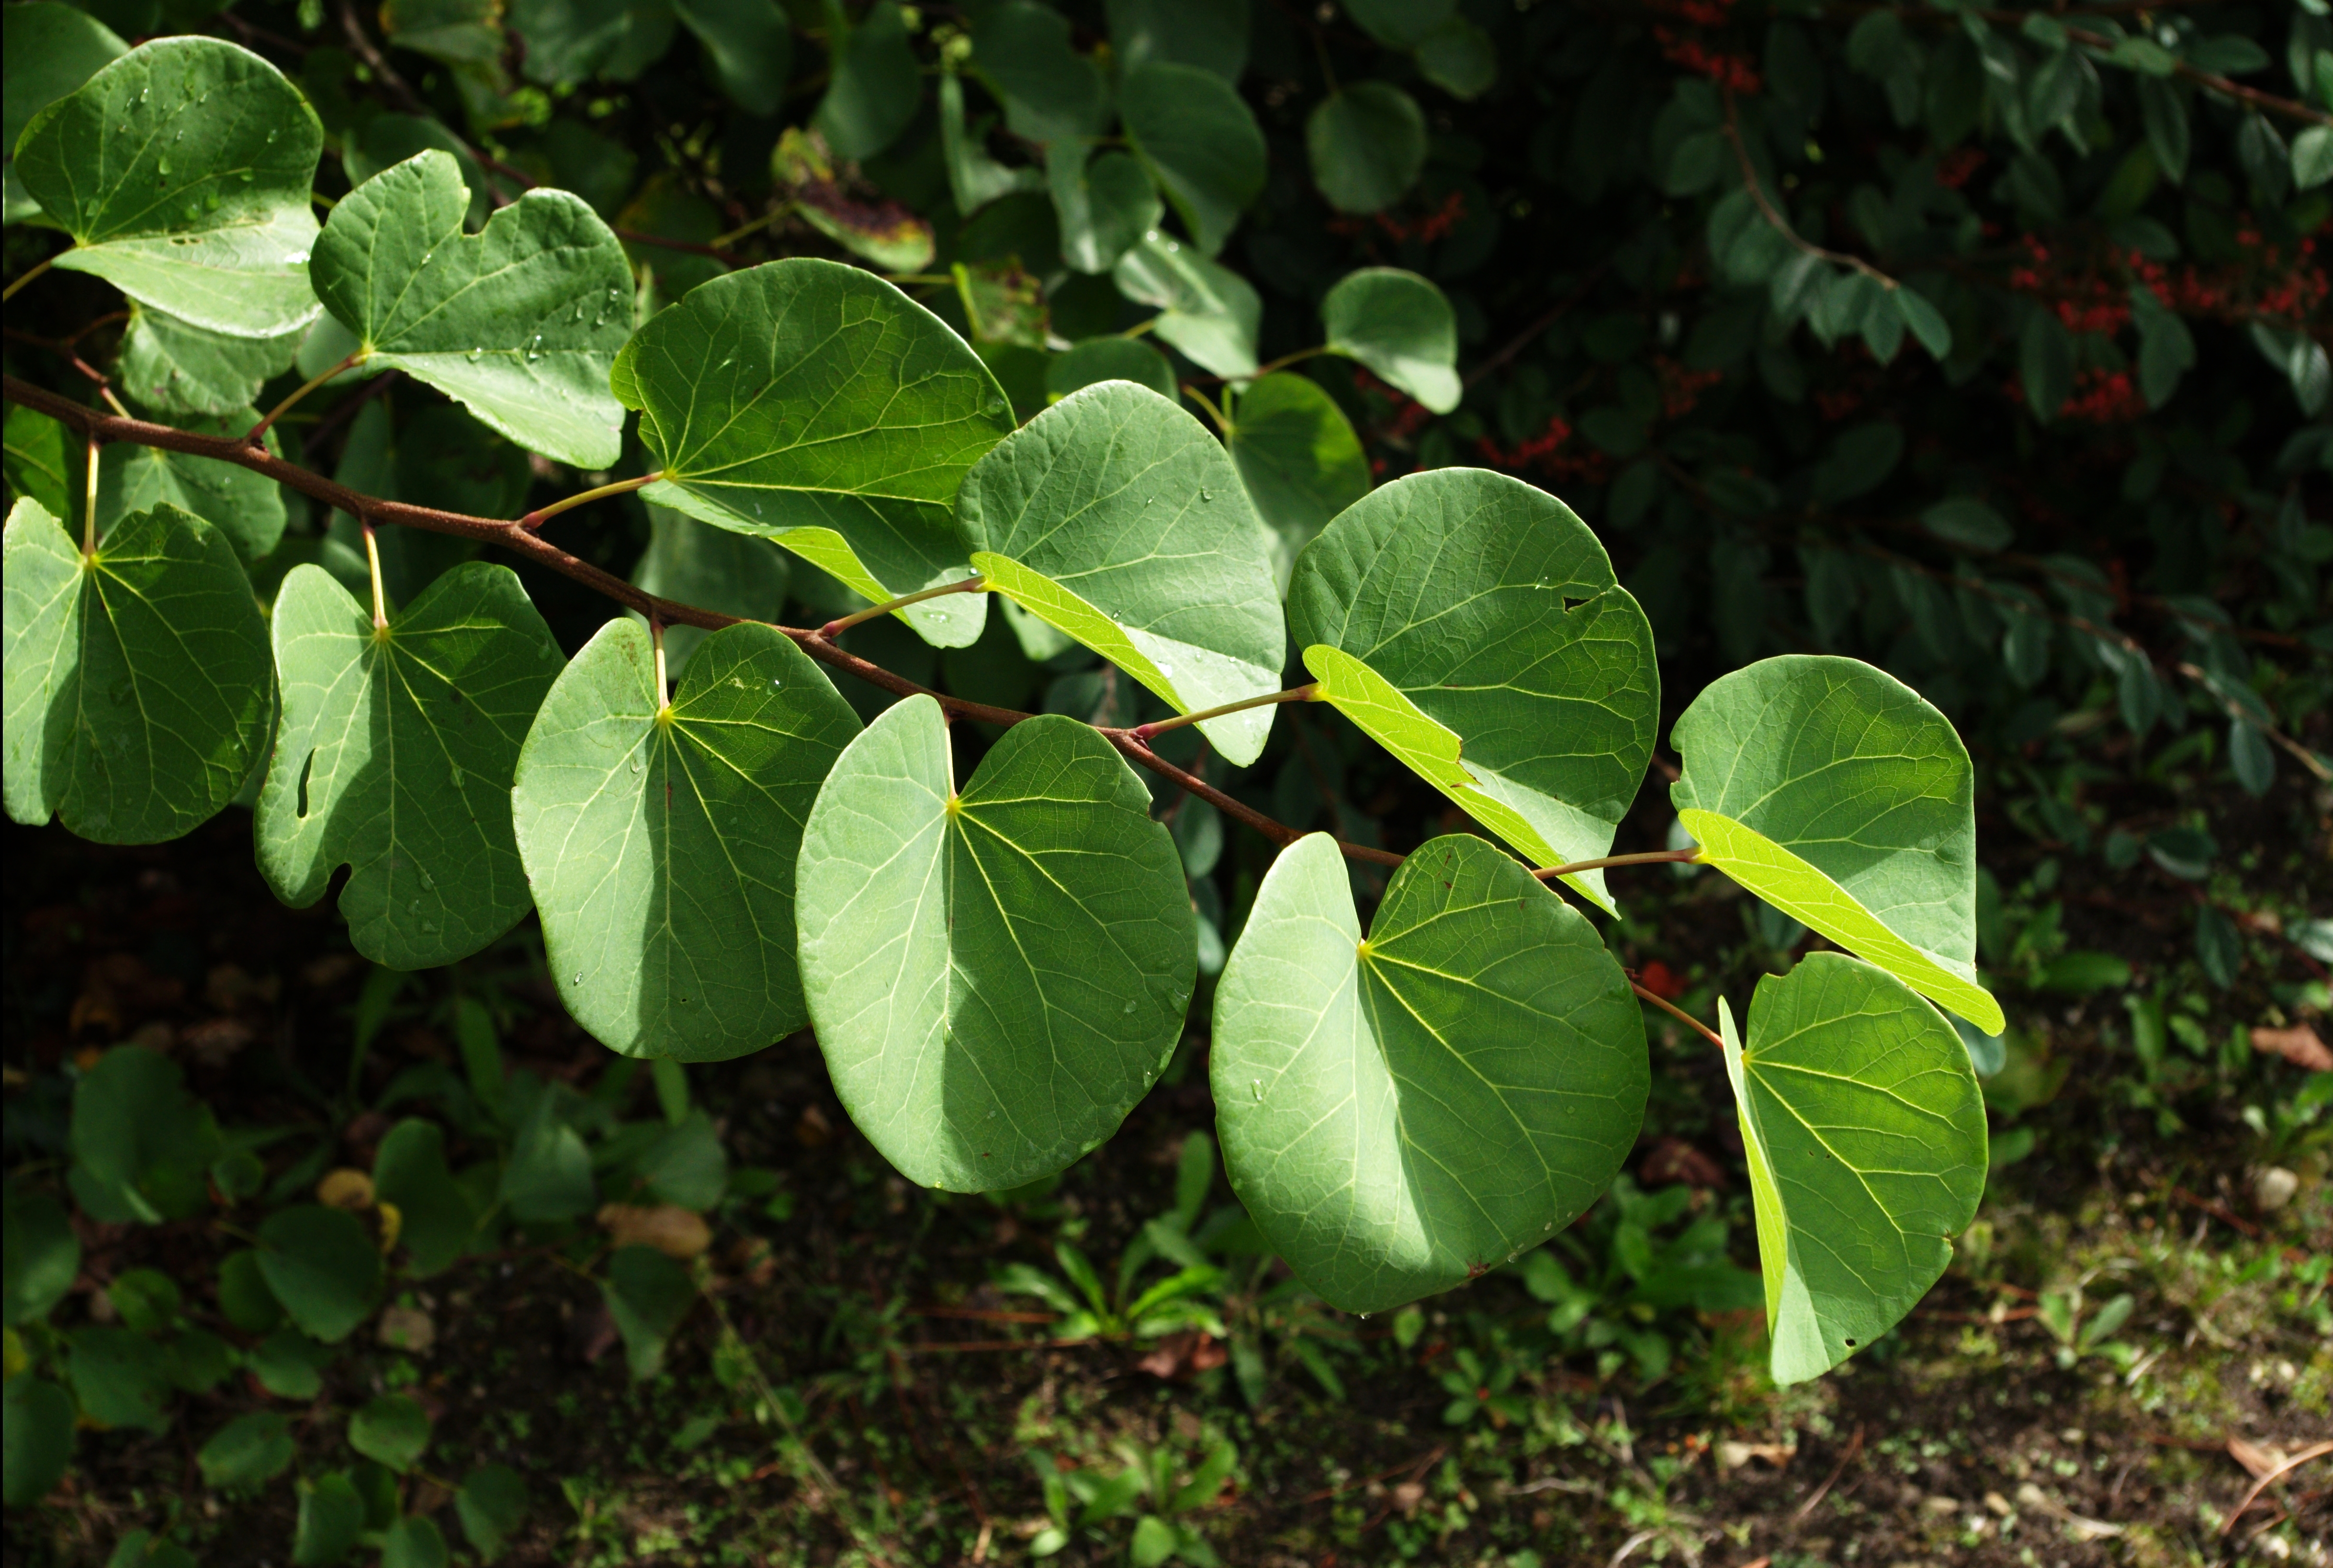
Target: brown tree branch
<point x="93" y="426"/>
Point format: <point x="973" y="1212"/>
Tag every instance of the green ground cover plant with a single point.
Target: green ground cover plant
<point x="1042" y="546"/>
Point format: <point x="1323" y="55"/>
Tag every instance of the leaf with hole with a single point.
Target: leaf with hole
<point x="1114" y="516"/>
<point x="661" y="840"/>
<point x="138" y="690"/>
<point x="519" y="324"/>
<point x="395" y="756"/>
<point x="181" y="170"/>
<point x="1403" y="1112"/>
<point x="1841" y="797"/>
<point x="1400" y="326"/>
<point x="814" y="404"/>
<point x="1866" y="1138"/>
<point x="1472" y="626"/>
<point x="996" y="976"/>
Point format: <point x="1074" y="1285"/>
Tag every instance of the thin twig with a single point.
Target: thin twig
<point x="1308" y="692"/>
<point x="542" y="514"/>
<point x="1733" y="129"/>
<point x="841" y="624"/>
<point x="1854" y="1449"/>
<point x="1667" y="1006"/>
<point x="2314" y="1451"/>
<point x="1651" y="857"/>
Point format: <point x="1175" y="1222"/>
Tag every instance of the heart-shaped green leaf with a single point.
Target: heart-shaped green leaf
<point x="50" y="49"/>
<point x="390" y="1429"/>
<point x="249" y="1451"/>
<point x="1400" y="326"/>
<point x="1842" y="798"/>
<point x="519" y="324"/>
<point x="394" y="757"/>
<point x="244" y="506"/>
<point x="1210" y="312"/>
<point x="1201" y="142"/>
<point x="436" y="1217"/>
<point x="180" y="367"/>
<point x="713" y="569"/>
<point x="995" y="976"/>
<point x="814" y="404"/>
<point x="1471" y="625"/>
<point x="1299" y="457"/>
<point x="182" y="171"/>
<point x="137" y="679"/>
<point x="1865" y="1133"/>
<point x="323" y="1266"/>
<point x="1114" y="516"/>
<point x="1367" y="142"/>
<point x="1402" y="1113"/>
<point x="661" y="840"/>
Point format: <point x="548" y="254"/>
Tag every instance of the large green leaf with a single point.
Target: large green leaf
<point x="1472" y="626"/>
<point x="1400" y="326"/>
<point x="36" y="1439"/>
<point x="180" y="367"/>
<point x="1115" y="518"/>
<point x="42" y="1253"/>
<point x="814" y="404"/>
<point x="1842" y="798"/>
<point x="1299" y="457"/>
<point x="1210" y="312"/>
<point x="394" y="757"/>
<point x="1864" y="1133"/>
<point x="323" y="1266"/>
<point x="520" y="323"/>
<point x="750" y="46"/>
<point x="1402" y="1113"/>
<point x="712" y="568"/>
<point x="50" y="49"/>
<point x="661" y="840"/>
<point x="874" y="86"/>
<point x="137" y="679"/>
<point x="1104" y="203"/>
<point x="1201" y="142"/>
<point x="182" y="171"/>
<point x="995" y="976"/>
<point x="1367" y="142"/>
<point x="244" y="506"/>
<point x="40" y="461"/>
<point x="1050" y="93"/>
<point x="1211" y="34"/>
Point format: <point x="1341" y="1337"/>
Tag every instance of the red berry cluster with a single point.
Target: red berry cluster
<point x="1682" y="388"/>
<point x="1734" y="70"/>
<point x="1430" y="228"/>
<point x="1547" y="452"/>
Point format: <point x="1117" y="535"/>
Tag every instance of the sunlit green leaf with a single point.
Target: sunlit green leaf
<point x="1866" y="1139"/>
<point x="1210" y="312"/>
<point x="1201" y="142"/>
<point x="814" y="404"/>
<point x="1115" y="517"/>
<point x="661" y="840"/>
<point x="1299" y="457"/>
<point x="1400" y="326"/>
<point x="1836" y="794"/>
<point x="138" y="688"/>
<point x="388" y="139"/>
<point x="1106" y="204"/>
<point x="995" y="976"/>
<point x="394" y="757"/>
<point x="520" y="323"/>
<point x="1472" y="626"/>
<point x="41" y="462"/>
<point x="50" y="49"/>
<point x="209" y="218"/>
<point x="1401" y="1114"/>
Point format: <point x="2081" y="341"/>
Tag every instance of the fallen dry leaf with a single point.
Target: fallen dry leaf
<point x="2298" y="1045"/>
<point x="2258" y="1460"/>
<point x="1733" y="1456"/>
<point x="345" y="1189"/>
<point x="675" y="1231"/>
<point x="407" y="1328"/>
<point x="2081" y="1527"/>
